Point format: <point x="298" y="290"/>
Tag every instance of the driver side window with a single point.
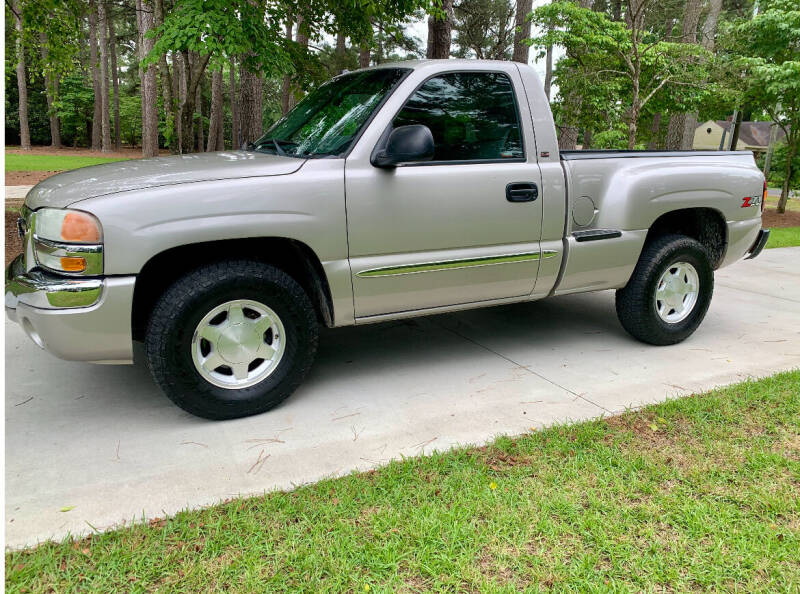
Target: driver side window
<point x="473" y="116"/>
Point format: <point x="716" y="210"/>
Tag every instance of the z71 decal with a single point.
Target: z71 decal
<point x="751" y="201"/>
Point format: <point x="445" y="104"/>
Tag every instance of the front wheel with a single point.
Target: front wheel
<point x="669" y="292"/>
<point x="231" y="339"/>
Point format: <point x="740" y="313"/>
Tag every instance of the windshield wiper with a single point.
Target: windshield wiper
<point x="279" y="150"/>
<point x="278" y="147"/>
<point x="318" y="155"/>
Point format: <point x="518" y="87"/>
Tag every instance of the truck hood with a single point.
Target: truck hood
<point x="70" y="187"/>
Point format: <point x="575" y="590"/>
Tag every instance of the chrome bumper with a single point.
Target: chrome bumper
<point x="80" y="319"/>
<point x="761" y="241"/>
<point x="49" y="291"/>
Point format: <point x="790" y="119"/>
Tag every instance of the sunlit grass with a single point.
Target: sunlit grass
<point x="16" y="162"/>
<point x="783" y="237"/>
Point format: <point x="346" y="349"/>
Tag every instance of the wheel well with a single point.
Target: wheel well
<point x="293" y="257"/>
<point x="706" y="225"/>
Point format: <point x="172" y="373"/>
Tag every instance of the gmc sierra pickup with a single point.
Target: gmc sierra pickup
<point x="407" y="189"/>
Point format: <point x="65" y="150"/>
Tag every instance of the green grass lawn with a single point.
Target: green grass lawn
<point x="783" y="237"/>
<point x="701" y="492"/>
<point x="16" y="162"/>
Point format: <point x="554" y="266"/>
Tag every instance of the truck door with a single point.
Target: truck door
<point x="462" y="228"/>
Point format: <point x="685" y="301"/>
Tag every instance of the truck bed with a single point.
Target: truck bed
<point x="615" y="197"/>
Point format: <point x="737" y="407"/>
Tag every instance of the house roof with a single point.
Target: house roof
<point x="753" y="133"/>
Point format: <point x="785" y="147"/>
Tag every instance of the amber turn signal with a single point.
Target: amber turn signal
<point x="80" y="227"/>
<point x="73" y="264"/>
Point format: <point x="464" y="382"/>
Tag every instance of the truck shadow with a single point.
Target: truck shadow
<point x="354" y="357"/>
<point x="546" y="325"/>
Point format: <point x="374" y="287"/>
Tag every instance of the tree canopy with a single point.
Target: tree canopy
<point x="175" y="73"/>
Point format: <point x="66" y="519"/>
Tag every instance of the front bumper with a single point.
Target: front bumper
<point x="80" y="319"/>
<point x="761" y="241"/>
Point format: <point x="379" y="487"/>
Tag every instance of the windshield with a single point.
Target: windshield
<point x="327" y="120"/>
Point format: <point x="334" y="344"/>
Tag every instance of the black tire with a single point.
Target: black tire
<point x="636" y="302"/>
<point x="180" y="309"/>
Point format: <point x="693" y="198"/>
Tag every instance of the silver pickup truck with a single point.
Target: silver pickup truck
<point x="403" y="190"/>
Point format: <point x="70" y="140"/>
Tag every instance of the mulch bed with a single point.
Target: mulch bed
<point x="771" y="219"/>
<point x="27" y="178"/>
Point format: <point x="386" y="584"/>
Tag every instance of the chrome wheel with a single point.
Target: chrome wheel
<point x="238" y="344"/>
<point x="677" y="292"/>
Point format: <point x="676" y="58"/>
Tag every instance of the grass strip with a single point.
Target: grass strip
<point x="15" y="162"/>
<point x="783" y="237"/>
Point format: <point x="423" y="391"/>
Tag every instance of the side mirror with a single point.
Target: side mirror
<point x="405" y="144"/>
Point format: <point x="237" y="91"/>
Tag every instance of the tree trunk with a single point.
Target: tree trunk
<point x="105" y="118"/>
<point x="632" y="126"/>
<point x="286" y="85"/>
<point x="792" y="142"/>
<point x="250" y="105"/>
<point x="302" y="36"/>
<point x="379" y="49"/>
<point x="548" y="72"/>
<point x="51" y="92"/>
<point x="568" y="138"/>
<point x="655" y="133"/>
<point x="568" y="132"/>
<point x="680" y="131"/>
<point x="587" y="139"/>
<point x="215" y="139"/>
<point x="22" y="83"/>
<point x="737" y="126"/>
<point x="198" y="104"/>
<point x="681" y="127"/>
<point x="363" y="57"/>
<point x="178" y="95"/>
<point x="439" y="33"/>
<point x="167" y="90"/>
<point x="97" y="125"/>
<point x="112" y="38"/>
<point x="710" y="25"/>
<point x="616" y="10"/>
<point x="194" y="72"/>
<point x="341" y="52"/>
<point x="302" y="41"/>
<point x="522" y="32"/>
<point x="341" y="43"/>
<point x="633" y="115"/>
<point x="236" y="140"/>
<point x="145" y="19"/>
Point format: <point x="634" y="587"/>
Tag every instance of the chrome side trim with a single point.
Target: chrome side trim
<point x="48" y="291"/>
<point x="455" y="264"/>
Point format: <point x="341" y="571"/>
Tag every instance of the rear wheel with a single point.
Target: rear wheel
<point x="669" y="292"/>
<point x="231" y="339"/>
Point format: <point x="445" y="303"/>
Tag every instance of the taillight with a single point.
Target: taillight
<point x="764" y="196"/>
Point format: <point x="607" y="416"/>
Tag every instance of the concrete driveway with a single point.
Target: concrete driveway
<point x="105" y="440"/>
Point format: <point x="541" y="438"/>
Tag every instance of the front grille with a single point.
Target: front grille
<point x="22" y="226"/>
<point x="25" y="229"/>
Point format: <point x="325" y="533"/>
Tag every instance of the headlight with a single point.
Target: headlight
<point x="68" y="241"/>
<point x="71" y="226"/>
